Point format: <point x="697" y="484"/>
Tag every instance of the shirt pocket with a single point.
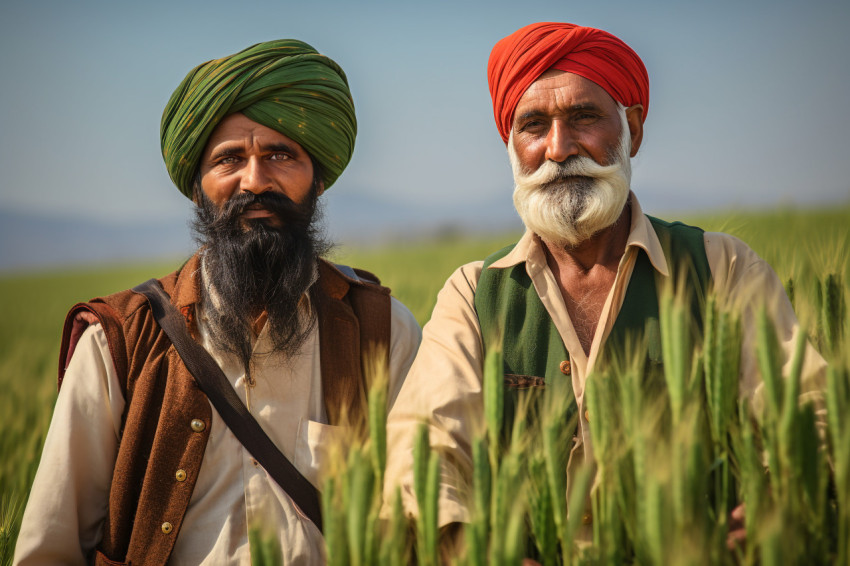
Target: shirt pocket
<point x="316" y="446"/>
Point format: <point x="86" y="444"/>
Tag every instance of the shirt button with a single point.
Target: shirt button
<point x="586" y="519"/>
<point x="255" y="463"/>
<point x="198" y="425"/>
<point x="566" y="367"/>
<point x="180" y="475"/>
<point x="167" y="528"/>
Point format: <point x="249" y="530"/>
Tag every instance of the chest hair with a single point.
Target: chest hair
<point x="584" y="301"/>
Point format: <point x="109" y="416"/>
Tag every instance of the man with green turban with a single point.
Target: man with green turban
<point x="137" y="466"/>
<point x="284" y="85"/>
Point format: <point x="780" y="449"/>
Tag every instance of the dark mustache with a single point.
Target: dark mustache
<point x="277" y="203"/>
<point x="269" y="200"/>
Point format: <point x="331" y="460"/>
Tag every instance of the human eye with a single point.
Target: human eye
<point x="586" y="117"/>
<point x="280" y="156"/>
<point x="531" y="125"/>
<point x="224" y="159"/>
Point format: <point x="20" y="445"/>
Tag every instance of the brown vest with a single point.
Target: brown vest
<point x="166" y="421"/>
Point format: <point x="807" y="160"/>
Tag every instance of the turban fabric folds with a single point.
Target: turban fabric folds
<point x="283" y="84"/>
<point x="520" y="58"/>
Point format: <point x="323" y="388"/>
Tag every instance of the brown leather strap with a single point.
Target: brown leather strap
<point x="238" y="419"/>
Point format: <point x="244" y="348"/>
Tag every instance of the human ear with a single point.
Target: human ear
<point x="634" y="117"/>
<point x="196" y="188"/>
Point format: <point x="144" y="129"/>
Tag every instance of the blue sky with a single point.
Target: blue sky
<point x="749" y="100"/>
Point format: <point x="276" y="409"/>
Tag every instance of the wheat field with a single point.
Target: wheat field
<point x="654" y="516"/>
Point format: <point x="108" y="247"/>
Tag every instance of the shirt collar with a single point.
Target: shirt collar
<point x="529" y="249"/>
<point x="642" y="235"/>
<point x="187" y="289"/>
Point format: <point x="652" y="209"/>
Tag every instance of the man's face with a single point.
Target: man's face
<point x="563" y="115"/>
<point x="257" y="225"/>
<point x="570" y="149"/>
<point x="243" y="156"/>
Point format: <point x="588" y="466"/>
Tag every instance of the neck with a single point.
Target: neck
<point x="605" y="248"/>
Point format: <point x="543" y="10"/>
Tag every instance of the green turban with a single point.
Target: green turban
<point x="284" y="85"/>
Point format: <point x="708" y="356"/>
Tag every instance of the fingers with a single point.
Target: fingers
<point x="737" y="535"/>
<point x="739" y="512"/>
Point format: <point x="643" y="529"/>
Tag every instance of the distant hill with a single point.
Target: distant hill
<point x="357" y="219"/>
<point x="29" y="240"/>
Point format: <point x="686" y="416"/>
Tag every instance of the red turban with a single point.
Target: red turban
<point x="519" y="59"/>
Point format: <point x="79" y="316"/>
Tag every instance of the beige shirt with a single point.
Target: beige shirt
<point x="67" y="505"/>
<point x="444" y="383"/>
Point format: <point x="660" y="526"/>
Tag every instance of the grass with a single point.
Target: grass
<point x="805" y="248"/>
<point x="416" y="272"/>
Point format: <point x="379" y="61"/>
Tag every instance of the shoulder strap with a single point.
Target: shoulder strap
<point x="238" y="419"/>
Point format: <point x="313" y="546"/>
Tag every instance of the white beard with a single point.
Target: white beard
<point x="566" y="212"/>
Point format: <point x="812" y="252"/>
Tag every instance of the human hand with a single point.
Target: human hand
<point x="737" y="535"/>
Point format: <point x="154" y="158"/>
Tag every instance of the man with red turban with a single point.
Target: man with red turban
<point x="582" y="283"/>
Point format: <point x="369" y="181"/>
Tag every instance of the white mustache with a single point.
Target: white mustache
<point x="551" y="172"/>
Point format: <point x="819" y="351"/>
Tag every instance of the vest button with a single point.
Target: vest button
<point x="586" y="519"/>
<point x="587" y="416"/>
<point x="167" y="528"/>
<point x="198" y="425"/>
<point x="566" y="367"/>
<point x="180" y="475"/>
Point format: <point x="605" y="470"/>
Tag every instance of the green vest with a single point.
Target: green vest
<point x="511" y="314"/>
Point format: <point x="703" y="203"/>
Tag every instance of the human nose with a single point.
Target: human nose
<point x="254" y="177"/>
<point x="560" y="143"/>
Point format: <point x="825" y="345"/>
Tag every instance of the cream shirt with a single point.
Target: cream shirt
<point x="63" y="519"/>
<point x="444" y="383"/>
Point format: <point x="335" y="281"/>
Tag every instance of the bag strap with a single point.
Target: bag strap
<point x="238" y="419"/>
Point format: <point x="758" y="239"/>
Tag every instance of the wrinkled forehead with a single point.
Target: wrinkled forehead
<point x="561" y="89"/>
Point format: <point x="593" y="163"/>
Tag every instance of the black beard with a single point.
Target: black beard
<point x="252" y="266"/>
